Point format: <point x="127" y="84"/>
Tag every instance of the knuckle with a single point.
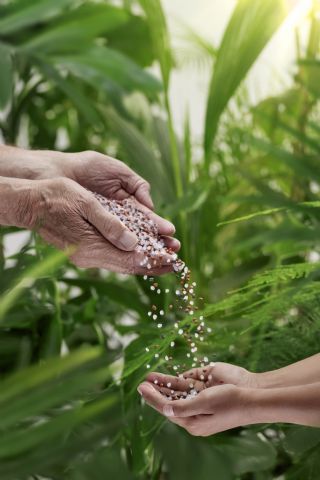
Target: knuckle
<point x="88" y="154"/>
<point x="64" y="182"/>
<point x="146" y="185"/>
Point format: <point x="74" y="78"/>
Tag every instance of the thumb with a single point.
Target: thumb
<point x="110" y="226"/>
<point x="186" y="408"/>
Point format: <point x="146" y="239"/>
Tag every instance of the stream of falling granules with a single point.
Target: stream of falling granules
<point x="152" y="246"/>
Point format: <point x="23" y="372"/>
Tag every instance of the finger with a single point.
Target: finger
<point x="110" y="227"/>
<point x="189" y="407"/>
<point x="142" y="194"/>
<point x="172" y="243"/>
<point x="152" y="396"/>
<point x="175" y="408"/>
<point x="137" y="186"/>
<point x="164" y="226"/>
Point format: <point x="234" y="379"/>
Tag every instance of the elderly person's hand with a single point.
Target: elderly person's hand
<point x="54" y="199"/>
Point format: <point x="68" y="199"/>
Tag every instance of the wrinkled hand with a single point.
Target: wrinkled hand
<point x="66" y="214"/>
<point x="109" y="177"/>
<point x="213" y="410"/>
<point x="52" y="196"/>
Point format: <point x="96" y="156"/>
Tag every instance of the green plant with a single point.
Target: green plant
<point x="69" y="68"/>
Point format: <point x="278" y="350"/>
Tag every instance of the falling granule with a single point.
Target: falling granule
<point x="154" y="251"/>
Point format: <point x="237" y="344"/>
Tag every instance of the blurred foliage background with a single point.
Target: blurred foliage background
<point x="80" y="71"/>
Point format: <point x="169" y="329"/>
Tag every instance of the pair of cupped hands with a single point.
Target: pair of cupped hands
<point x="52" y="193"/>
<point x="221" y="402"/>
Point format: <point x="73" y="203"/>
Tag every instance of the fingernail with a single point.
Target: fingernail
<point x="168" y="411"/>
<point x="172" y="227"/>
<point x="139" y="391"/>
<point x="128" y="240"/>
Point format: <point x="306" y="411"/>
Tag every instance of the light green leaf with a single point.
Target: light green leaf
<point x="252" y="24"/>
<point x="140" y="152"/>
<point x="160" y="37"/>
<point x="28" y="278"/>
<point x="105" y="68"/>
<point x="26" y="13"/>
<point x="78" y="29"/>
<point x="6" y="76"/>
<point x="190" y="202"/>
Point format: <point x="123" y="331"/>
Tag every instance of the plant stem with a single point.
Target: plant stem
<point x="174" y="149"/>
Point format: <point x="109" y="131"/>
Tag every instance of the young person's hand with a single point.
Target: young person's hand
<point x="213" y="410"/>
<point x="229" y="396"/>
<point x="219" y="373"/>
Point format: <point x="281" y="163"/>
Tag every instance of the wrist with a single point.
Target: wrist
<point x="17" y="201"/>
<point x="271" y="379"/>
<point x="265" y="405"/>
<point x="32" y="164"/>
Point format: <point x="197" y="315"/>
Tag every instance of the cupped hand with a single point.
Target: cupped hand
<point x="219" y="373"/>
<point x="214" y="409"/>
<point x="109" y="177"/>
<point x="66" y="214"/>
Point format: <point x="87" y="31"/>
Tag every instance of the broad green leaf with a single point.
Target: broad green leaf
<point x="76" y="30"/>
<point x="107" y="463"/>
<point x="140" y="154"/>
<point x="160" y="38"/>
<point x="44" y="268"/>
<point x="72" y="91"/>
<point x="117" y="292"/>
<point x="20" y="382"/>
<point x="302" y="165"/>
<point x="108" y="69"/>
<point x="140" y="50"/>
<point x="52" y="394"/>
<point x="249" y="453"/>
<point x="307" y="468"/>
<point x="179" y="450"/>
<point x="6" y="76"/>
<point x="28" y="13"/>
<point x="16" y="440"/>
<point x="251" y="26"/>
<point x="299" y="439"/>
